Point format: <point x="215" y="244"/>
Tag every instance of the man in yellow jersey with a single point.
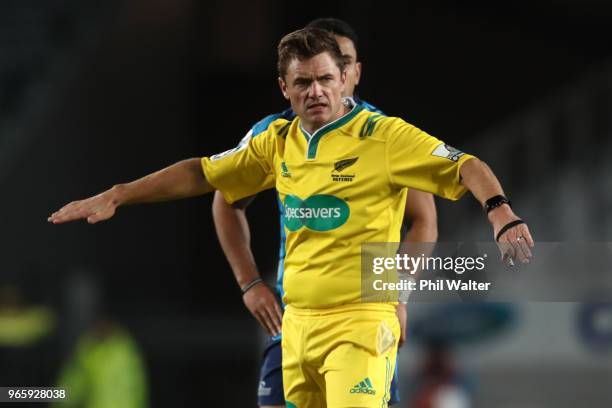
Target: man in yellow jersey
<point x="234" y="235"/>
<point x="337" y="352"/>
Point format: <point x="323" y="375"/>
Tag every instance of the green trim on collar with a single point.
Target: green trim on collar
<point x="313" y="143"/>
<point x="304" y="133"/>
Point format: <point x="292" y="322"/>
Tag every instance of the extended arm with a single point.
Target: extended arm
<point x="235" y="238"/>
<point x="480" y="180"/>
<point x="180" y="180"/>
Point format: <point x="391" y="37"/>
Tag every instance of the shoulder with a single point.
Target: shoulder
<point x="376" y="125"/>
<point x="380" y="127"/>
<point x="368" y="106"/>
<point x="274" y="121"/>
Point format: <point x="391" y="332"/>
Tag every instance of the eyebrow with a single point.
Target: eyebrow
<point x="307" y="80"/>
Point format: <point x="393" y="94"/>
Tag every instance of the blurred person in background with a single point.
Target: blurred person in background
<point x="440" y="381"/>
<point x="21" y="324"/>
<point x="336" y="350"/>
<point x="105" y="370"/>
<point x="234" y="235"/>
<point x="28" y="333"/>
<point x="105" y="367"/>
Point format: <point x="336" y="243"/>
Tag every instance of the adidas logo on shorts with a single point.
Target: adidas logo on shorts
<point x="364" y="387"/>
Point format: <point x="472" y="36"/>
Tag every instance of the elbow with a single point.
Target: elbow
<point x="469" y="165"/>
<point x="219" y="205"/>
<point x="423" y="230"/>
<point x="472" y="167"/>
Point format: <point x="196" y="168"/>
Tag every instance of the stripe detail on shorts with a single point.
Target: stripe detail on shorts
<point x="387" y="384"/>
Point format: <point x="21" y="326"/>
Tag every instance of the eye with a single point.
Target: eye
<point x="301" y="83"/>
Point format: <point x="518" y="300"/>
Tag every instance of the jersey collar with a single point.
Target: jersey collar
<point x="314" y="138"/>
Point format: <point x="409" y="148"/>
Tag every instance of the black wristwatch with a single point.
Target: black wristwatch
<point x="494" y="202"/>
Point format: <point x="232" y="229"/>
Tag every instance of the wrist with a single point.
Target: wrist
<point x="118" y="194"/>
<point x="245" y="279"/>
<point x="500" y="214"/>
<point x="245" y="288"/>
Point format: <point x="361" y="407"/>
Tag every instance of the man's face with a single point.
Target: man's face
<point x="352" y="67"/>
<point x="314" y="87"/>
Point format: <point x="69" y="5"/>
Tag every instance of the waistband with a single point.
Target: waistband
<point x="350" y="307"/>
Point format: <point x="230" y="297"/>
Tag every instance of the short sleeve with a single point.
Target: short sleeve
<point x="417" y="160"/>
<point x="244" y="170"/>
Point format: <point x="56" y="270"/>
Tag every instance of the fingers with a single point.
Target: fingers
<point x="402" y="338"/>
<point x="278" y="313"/>
<point x="102" y="215"/>
<point x="524" y="247"/>
<point x="509" y="251"/>
<point x="263" y="320"/>
<point x="69" y="212"/>
<point x="527" y="235"/>
<point x="507" y="259"/>
<point x="516" y="243"/>
<point x="268" y="321"/>
<point x="263" y="305"/>
<point x="273" y="321"/>
<point x="94" y="209"/>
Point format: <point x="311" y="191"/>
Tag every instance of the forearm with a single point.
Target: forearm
<point x="477" y="176"/>
<point x="235" y="239"/>
<point x="180" y="180"/>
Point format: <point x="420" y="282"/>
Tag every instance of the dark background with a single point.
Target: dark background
<point x="92" y="94"/>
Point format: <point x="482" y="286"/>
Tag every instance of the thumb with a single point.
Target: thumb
<point x="101" y="215"/>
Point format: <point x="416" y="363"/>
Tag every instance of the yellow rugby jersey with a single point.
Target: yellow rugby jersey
<point x="340" y="187"/>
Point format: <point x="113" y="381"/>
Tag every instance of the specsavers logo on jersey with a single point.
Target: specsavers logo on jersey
<point x="319" y="213"/>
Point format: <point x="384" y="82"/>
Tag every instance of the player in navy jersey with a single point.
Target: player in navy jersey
<point x="233" y="231"/>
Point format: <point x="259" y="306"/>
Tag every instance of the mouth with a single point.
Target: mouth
<point x="318" y="105"/>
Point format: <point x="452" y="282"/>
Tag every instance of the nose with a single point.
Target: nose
<point x="316" y="91"/>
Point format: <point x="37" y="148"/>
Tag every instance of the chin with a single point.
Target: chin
<point x="320" y="119"/>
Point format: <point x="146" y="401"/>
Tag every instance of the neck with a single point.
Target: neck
<point x="313" y="127"/>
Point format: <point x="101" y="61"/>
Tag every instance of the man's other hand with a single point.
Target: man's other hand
<point x="262" y="303"/>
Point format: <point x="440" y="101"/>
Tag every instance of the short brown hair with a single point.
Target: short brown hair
<point x="306" y="43"/>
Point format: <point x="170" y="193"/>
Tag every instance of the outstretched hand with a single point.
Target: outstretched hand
<point x="94" y="209"/>
<point x="515" y="242"/>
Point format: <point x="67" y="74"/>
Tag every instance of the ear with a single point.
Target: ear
<point x="357" y="72"/>
<point x="343" y="81"/>
<point x="283" y="87"/>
